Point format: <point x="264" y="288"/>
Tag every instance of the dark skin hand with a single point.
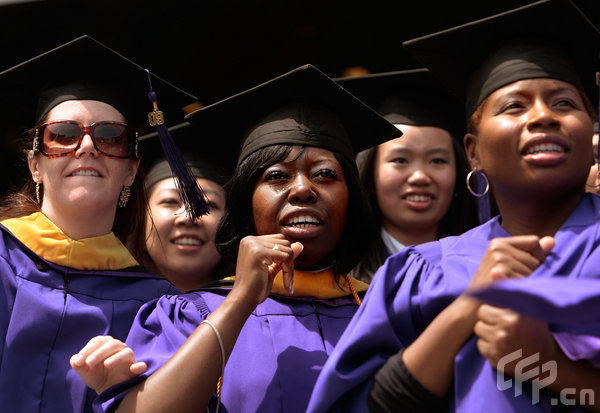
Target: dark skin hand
<point x="433" y="364"/>
<point x="502" y="332"/>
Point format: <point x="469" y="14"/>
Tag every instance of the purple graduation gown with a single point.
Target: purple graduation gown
<point x="48" y="313"/>
<point x="413" y="286"/>
<point x="277" y="356"/>
<point x="571" y="307"/>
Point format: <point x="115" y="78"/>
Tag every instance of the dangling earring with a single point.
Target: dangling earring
<point x="487" y="183"/>
<point x="37" y="192"/>
<point x="124" y="197"/>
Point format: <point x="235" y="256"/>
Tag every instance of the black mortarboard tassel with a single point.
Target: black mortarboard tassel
<point x="204" y="160"/>
<point x="190" y="193"/>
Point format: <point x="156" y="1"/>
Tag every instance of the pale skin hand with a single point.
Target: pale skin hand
<point x="430" y="358"/>
<point x="501" y="332"/>
<point x="106" y="361"/>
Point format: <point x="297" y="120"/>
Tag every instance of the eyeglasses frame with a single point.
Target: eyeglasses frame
<point x="38" y="141"/>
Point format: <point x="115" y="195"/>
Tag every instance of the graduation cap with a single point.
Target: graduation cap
<point x="301" y="107"/>
<point x="203" y="161"/>
<point x="549" y="38"/>
<point x="85" y="69"/>
<point x="409" y="97"/>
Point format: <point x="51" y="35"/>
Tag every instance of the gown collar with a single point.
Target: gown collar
<point x="318" y="284"/>
<point x="44" y="238"/>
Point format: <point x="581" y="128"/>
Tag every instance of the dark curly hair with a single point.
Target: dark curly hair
<point x="238" y="221"/>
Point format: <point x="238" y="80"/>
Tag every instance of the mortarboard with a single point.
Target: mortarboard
<point x="410" y="97"/>
<point x="203" y="161"/>
<point x="301" y="107"/>
<point x="548" y="38"/>
<point x="84" y="68"/>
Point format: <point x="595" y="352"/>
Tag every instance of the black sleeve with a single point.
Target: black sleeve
<point x="394" y="389"/>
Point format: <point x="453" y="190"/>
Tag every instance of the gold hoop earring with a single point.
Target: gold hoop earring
<point x="37" y="192"/>
<point x="124" y="197"/>
<point x="487" y="183"/>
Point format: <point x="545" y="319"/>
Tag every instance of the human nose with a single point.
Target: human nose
<point x="182" y="217"/>
<point x="419" y="177"/>
<point x="541" y="115"/>
<point x="302" y="190"/>
<point x="86" y="145"/>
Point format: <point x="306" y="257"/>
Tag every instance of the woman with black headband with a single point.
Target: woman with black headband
<point x="66" y="274"/>
<point x="295" y="203"/>
<point x="526" y="77"/>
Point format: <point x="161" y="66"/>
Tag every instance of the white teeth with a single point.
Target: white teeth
<point x="187" y="241"/>
<point x="85" y="172"/>
<point x="545" y="147"/>
<point x="418" y="198"/>
<point x="303" y="225"/>
<point x="303" y="221"/>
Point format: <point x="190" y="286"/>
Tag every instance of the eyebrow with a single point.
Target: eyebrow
<point x="213" y="192"/>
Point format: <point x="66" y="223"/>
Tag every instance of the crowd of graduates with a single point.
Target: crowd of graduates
<point x="425" y="239"/>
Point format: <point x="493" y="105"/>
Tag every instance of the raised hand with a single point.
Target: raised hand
<point x="259" y="259"/>
<point x="511" y="257"/>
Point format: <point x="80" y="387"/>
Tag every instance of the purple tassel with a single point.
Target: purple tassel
<point x="193" y="197"/>
<point x="483" y="203"/>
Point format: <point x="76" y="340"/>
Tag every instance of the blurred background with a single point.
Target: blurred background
<point x="214" y="49"/>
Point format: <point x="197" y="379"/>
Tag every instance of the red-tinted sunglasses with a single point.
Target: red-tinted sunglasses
<point x="63" y="137"/>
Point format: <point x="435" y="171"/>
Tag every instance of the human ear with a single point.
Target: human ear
<point x="33" y="163"/>
<point x="132" y="172"/>
<point x="471" y="149"/>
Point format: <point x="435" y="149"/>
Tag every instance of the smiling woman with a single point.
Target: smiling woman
<point x="295" y="189"/>
<point x="527" y="77"/>
<point x="183" y="251"/>
<point x="77" y="185"/>
<point x="415" y="182"/>
<point x="65" y="273"/>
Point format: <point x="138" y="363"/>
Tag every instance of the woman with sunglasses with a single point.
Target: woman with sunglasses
<point x="421" y="342"/>
<point x="65" y="273"/>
